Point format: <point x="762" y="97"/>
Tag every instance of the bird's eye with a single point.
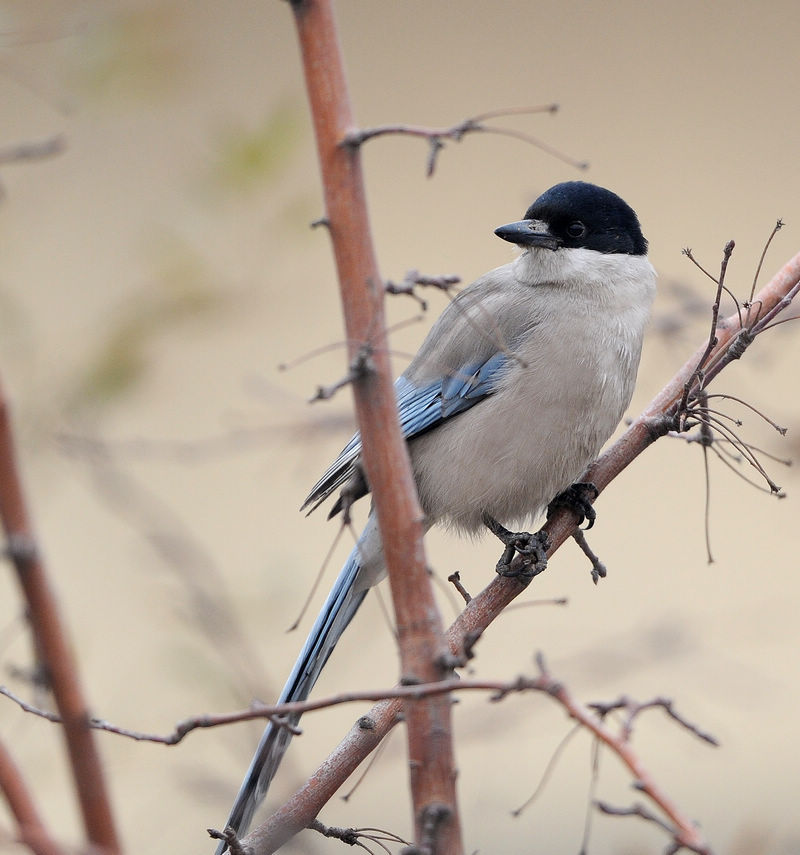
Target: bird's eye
<point x="576" y="229"/>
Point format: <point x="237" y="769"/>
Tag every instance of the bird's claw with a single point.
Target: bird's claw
<point x="578" y="498"/>
<point x="531" y="547"/>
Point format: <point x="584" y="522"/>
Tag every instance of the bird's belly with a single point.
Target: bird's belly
<point x="513" y="453"/>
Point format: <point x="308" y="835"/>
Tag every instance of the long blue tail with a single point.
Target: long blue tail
<point x="336" y="614"/>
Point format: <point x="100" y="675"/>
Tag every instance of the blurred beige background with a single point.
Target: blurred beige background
<point x="155" y="275"/>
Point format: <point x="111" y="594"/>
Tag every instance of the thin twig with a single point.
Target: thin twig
<point x="712" y="337"/>
<point x="548" y="771"/>
<point x="457" y="132"/>
<point x="594" y="780"/>
<point x="635" y="810"/>
<point x="412" y="278"/>
<point x="353" y="836"/>
<point x="635" y="708"/>
<point x="775" y="230"/>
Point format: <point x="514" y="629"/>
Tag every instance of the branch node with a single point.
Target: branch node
<point x="366" y="722"/>
<point x="432" y="818"/>
<point x="360" y="366"/>
<point x="21" y="549"/>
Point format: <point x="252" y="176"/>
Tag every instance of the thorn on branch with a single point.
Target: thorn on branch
<point x="320" y="222"/>
<point x="435" y="145"/>
<point x="455" y="581"/>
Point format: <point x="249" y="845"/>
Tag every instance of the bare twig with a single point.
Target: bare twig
<point x="181" y="731"/>
<point x="775" y="230"/>
<point x="357" y="836"/>
<point x="361" y="777"/>
<point x="635" y="708"/>
<point x="321" y="572"/>
<point x="457" y="132"/>
<point x="697" y="374"/>
<point x="414" y="277"/>
<point x="548" y="771"/>
<point x="635" y="810"/>
<point x="594" y="780"/>
<point x="694" y="409"/>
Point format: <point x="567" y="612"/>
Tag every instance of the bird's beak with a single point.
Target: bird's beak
<point x="529" y="233"/>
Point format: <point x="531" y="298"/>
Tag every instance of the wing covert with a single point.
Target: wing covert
<point x="421" y="408"/>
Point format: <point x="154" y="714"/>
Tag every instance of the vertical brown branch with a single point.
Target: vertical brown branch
<point x="385" y="457"/>
<point x="53" y="647"/>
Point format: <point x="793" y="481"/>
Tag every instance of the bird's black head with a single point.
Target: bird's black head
<point x="578" y="215"/>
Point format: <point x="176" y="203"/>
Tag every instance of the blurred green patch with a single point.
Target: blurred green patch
<point x="181" y="292"/>
<point x="247" y="159"/>
<point x="130" y="52"/>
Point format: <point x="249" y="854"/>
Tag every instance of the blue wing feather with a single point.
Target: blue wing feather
<point x="421" y="408"/>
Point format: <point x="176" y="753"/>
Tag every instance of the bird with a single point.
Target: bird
<point x="512" y="394"/>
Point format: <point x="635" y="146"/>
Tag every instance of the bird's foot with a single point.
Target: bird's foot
<point x="578" y="498"/>
<point x="531" y="547"/>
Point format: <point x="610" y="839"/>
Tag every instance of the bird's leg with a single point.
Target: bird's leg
<point x="578" y="498"/>
<point x="532" y="547"/>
